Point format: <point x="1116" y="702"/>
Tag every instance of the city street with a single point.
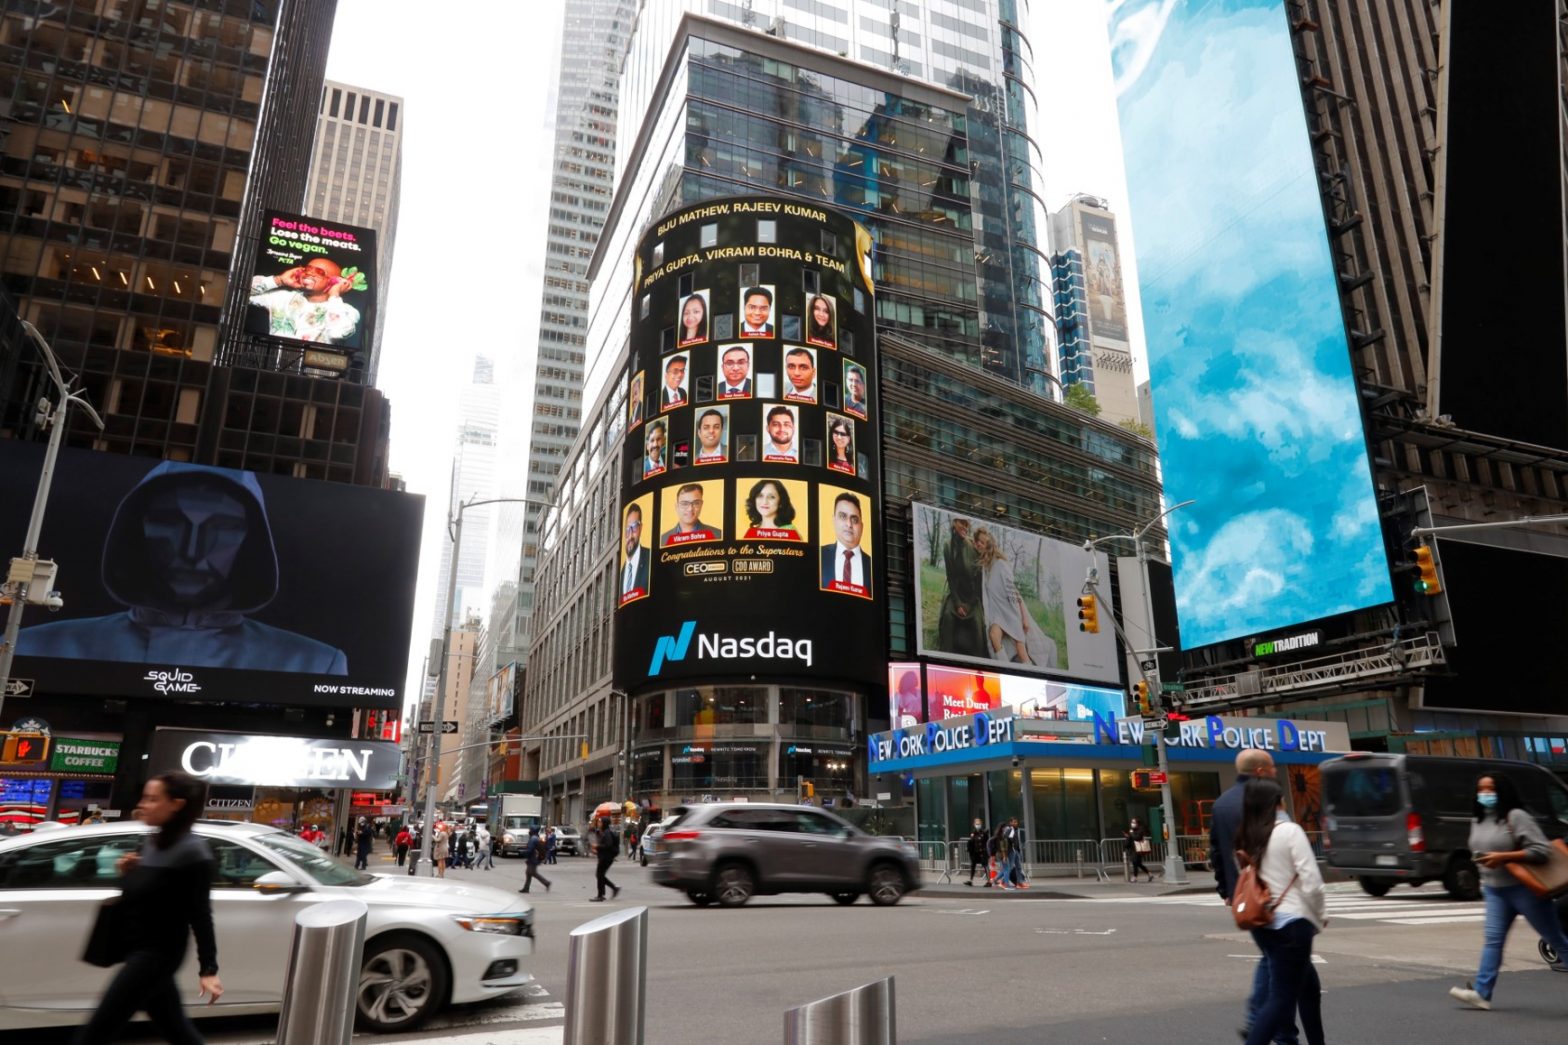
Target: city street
<point x="1067" y="961"/>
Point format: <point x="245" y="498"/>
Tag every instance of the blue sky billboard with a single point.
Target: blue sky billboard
<point x="1257" y="412"/>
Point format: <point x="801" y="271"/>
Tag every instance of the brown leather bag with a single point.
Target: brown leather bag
<point x="1546" y="880"/>
<point x="1250" y="902"/>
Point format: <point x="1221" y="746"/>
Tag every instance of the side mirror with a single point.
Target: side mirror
<point x="278" y="883"/>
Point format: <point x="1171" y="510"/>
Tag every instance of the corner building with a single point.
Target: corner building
<point x="733" y="111"/>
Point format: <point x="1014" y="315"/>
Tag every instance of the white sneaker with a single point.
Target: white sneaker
<point x="1470" y="997"/>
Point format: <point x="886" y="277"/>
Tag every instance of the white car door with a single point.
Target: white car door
<point x="50" y="892"/>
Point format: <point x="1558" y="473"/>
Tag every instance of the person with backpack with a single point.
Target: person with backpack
<point x="533" y="852"/>
<point x="1278" y="880"/>
<point x="1505" y="833"/>
<point x="607" y="845"/>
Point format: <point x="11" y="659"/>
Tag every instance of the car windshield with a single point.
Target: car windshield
<point x="1363" y="791"/>
<point x="320" y="867"/>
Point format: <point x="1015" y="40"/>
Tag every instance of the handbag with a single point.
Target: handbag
<point x="1142" y="845"/>
<point x="1548" y="880"/>
<point x="106" y="941"/>
<point x="1250" y="902"/>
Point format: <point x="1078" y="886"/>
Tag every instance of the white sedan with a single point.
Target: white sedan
<point x="428" y="942"/>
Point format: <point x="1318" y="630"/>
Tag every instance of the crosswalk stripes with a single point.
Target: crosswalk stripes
<point x="1355" y="906"/>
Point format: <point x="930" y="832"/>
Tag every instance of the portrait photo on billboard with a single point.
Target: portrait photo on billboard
<point x="756" y="311"/>
<point x="772" y="509"/>
<point x="673" y="386"/>
<point x="214" y="584"/>
<point x="712" y="432"/>
<point x="821" y="321"/>
<point x="656" y="448"/>
<point x="780" y="433"/>
<point x="1004" y="596"/>
<point x="905" y="696"/>
<point x="840" y="443"/>
<point x="692" y="513"/>
<point x="1102" y="279"/>
<point x="854" y="389"/>
<point x="636" y="556"/>
<point x="314" y="281"/>
<point x="846" y="554"/>
<point x="693" y="326"/>
<point x="800" y="374"/>
<point x="634" y="401"/>
<point x="734" y="379"/>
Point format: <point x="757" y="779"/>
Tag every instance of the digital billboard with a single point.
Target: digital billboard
<point x="1102" y="278"/>
<point x="191" y="582"/>
<point x="999" y="595"/>
<point x="956" y="692"/>
<point x="314" y="282"/>
<point x="1259" y="419"/>
<point x="750" y="538"/>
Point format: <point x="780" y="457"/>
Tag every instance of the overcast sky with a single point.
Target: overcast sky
<point x="476" y="150"/>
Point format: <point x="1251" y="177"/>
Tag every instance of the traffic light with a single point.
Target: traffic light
<point x="582" y="751"/>
<point x="1140" y="694"/>
<point x="1427" y="583"/>
<point x="1088" y="614"/>
<point x="808" y="789"/>
<point x="22" y="749"/>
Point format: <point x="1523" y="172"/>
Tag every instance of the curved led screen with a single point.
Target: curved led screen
<point x="1258" y="416"/>
<point x="748" y="517"/>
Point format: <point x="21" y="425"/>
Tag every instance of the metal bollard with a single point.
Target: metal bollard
<point x="323" y="976"/>
<point x="606" y="979"/>
<point x="863" y="1016"/>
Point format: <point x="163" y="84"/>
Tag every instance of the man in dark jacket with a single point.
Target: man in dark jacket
<point x="1224" y="821"/>
<point x="977" y="852"/>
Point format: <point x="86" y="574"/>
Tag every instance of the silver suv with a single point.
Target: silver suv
<point x="731" y="851"/>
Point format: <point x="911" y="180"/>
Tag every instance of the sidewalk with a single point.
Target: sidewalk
<point x="1066" y="887"/>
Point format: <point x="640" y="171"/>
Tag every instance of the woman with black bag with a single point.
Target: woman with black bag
<point x="164" y="898"/>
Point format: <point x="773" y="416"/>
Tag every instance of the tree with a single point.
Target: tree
<point x="1079" y="397"/>
<point x="1137" y="427"/>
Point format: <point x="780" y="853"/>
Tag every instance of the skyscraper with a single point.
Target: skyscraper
<point x="355" y="177"/>
<point x="710" y="109"/>
<point x="1091" y="307"/>
<point x="473" y="476"/>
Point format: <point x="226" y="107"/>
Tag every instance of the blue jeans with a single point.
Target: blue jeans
<point x="1293" y="984"/>
<point x="1260" y="995"/>
<point x="1503" y="903"/>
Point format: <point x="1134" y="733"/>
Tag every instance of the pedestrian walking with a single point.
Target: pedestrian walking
<point x="363" y="838"/>
<point x="484" y="847"/>
<point x="1282" y="859"/>
<point x="400" y="844"/>
<point x="606" y="847"/>
<point x="415" y="848"/>
<point x="977" y="852"/>
<point x="533" y="852"/>
<point x="1015" y="855"/>
<point x="1138" y="846"/>
<point x="164" y="899"/>
<point x="440" y="849"/>
<point x="550" y="843"/>
<point x="1224" y="822"/>
<point x="1505" y="833"/>
<point x="1001" y="854"/>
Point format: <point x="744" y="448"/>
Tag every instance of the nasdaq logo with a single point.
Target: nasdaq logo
<point x="671" y="647"/>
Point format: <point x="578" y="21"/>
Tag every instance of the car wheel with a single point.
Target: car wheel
<point x="1462" y="880"/>
<point x="886" y="885"/>
<point x="1375" y="886"/>
<point x="733" y="885"/>
<point x="844" y="898"/>
<point x="698" y="897"/>
<point x="402" y="981"/>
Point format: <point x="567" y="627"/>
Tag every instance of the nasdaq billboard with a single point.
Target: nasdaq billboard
<point x="1259" y="420"/>
<point x="749" y="490"/>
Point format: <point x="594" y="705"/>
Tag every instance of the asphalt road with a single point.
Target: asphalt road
<point x="973" y="966"/>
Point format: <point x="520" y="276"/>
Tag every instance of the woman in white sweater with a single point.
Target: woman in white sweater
<point x="1279" y="849"/>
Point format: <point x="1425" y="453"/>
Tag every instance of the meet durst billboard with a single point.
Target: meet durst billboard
<point x="750" y="475"/>
<point x="192" y="582"/>
<point x="1259" y="419"/>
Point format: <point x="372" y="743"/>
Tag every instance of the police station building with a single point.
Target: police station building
<point x="1074" y="786"/>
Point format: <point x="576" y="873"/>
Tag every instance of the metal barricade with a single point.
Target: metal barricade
<point x="862" y="1016"/>
<point x="1078" y="856"/>
<point x="606" y="979"/>
<point x="323" y="976"/>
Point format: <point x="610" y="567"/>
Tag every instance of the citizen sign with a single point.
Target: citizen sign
<point x="277" y="761"/>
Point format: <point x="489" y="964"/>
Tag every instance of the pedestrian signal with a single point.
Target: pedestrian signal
<point x="1426" y="565"/>
<point x="1088" y="614"/>
<point x="23" y="749"/>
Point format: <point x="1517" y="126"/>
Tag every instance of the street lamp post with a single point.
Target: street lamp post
<point x="438" y="702"/>
<point x="1148" y="667"/>
<point x="27" y="571"/>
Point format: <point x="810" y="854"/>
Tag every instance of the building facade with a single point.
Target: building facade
<point x="1094" y="343"/>
<point x="356" y="173"/>
<point x="733" y="110"/>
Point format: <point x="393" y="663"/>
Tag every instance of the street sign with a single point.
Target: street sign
<point x="1172" y="687"/>
<point x="448" y="725"/>
<point x="19" y="688"/>
<point x="1146" y="779"/>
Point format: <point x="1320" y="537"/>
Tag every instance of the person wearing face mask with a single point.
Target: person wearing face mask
<point x="191" y="557"/>
<point x="977" y="852"/>
<point x="1505" y="833"/>
<point x="1137" y="845"/>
